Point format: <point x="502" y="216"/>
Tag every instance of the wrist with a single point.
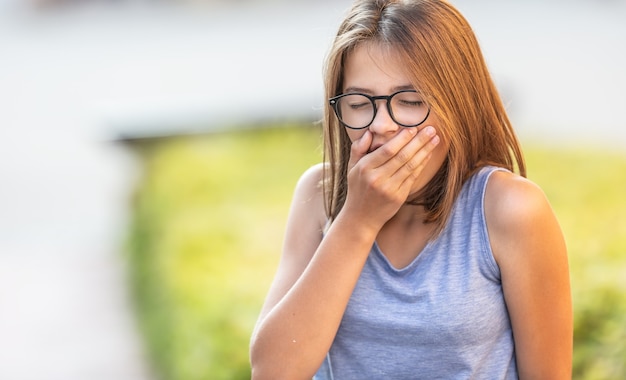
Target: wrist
<point x="355" y="227"/>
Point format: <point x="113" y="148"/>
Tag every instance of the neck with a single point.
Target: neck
<point x="410" y="215"/>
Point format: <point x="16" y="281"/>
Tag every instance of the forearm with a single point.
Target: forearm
<point x="292" y="340"/>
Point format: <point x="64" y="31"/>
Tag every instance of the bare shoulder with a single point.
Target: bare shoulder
<point x="309" y="194"/>
<point x="529" y="247"/>
<point x="510" y="193"/>
<point x="310" y="181"/>
<point x="307" y="218"/>
<point x="517" y="212"/>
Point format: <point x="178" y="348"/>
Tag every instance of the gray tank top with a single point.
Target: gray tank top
<point x="443" y="316"/>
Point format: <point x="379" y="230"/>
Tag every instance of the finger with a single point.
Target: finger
<point x="415" y="150"/>
<point x="412" y="168"/>
<point x="390" y="149"/>
<point x="359" y="148"/>
<point x="395" y="154"/>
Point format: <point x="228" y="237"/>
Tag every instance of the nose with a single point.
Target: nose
<point x="383" y="123"/>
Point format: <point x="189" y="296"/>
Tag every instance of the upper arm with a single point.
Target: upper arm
<point x="303" y="235"/>
<point x="529" y="248"/>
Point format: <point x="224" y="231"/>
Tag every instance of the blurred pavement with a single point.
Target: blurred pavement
<point x="74" y="79"/>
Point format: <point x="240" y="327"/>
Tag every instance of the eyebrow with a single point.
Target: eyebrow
<point x="366" y="91"/>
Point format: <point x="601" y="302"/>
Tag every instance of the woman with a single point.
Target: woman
<point x="415" y="252"/>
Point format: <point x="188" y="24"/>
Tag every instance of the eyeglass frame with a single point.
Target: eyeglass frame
<point x="334" y="102"/>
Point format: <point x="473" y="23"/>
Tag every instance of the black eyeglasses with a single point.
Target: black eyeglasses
<point x="357" y="111"/>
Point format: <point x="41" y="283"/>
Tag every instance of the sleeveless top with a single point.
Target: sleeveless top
<point x="443" y="316"/>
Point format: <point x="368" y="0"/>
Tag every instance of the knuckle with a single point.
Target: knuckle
<point x="385" y="193"/>
<point x="403" y="156"/>
<point x="412" y="166"/>
<point x="372" y="180"/>
<point x="387" y="151"/>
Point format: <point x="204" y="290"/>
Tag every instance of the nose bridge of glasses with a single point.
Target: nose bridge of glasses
<point x="382" y="117"/>
<point x="387" y="107"/>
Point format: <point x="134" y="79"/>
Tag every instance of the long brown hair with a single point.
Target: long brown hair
<point x="443" y="59"/>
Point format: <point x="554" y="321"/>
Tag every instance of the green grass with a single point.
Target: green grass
<point x="209" y="216"/>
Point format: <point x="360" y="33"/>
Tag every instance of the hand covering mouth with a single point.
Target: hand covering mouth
<point x="374" y="147"/>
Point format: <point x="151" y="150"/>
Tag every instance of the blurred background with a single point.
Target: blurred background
<point x="148" y="150"/>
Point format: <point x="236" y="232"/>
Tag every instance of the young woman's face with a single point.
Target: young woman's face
<point x="372" y="70"/>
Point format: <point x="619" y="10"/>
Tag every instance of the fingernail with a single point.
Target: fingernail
<point x="435" y="140"/>
<point x="430" y="131"/>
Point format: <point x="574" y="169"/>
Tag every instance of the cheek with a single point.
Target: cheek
<point x="440" y="153"/>
<point x="355" y="134"/>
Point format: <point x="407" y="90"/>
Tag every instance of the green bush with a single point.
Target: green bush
<point x="209" y="216"/>
<point x="208" y="222"/>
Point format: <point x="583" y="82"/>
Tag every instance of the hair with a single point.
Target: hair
<point x="444" y="61"/>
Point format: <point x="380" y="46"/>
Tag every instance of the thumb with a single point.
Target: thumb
<point x="359" y="148"/>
